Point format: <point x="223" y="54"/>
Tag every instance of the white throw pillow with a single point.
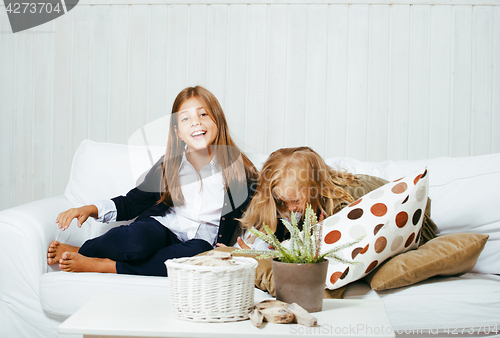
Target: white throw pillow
<point x="389" y="217"/>
<point x="106" y="170"/>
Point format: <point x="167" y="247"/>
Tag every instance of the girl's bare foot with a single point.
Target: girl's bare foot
<point x="74" y="262"/>
<point x="56" y="249"/>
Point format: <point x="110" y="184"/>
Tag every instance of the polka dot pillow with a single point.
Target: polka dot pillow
<point x="389" y="217"/>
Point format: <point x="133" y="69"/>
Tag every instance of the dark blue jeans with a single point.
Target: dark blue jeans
<point x="142" y="247"/>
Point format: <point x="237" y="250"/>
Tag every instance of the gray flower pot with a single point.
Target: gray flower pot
<point x="303" y="284"/>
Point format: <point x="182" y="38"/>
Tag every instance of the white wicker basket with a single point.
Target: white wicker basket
<point x="212" y="293"/>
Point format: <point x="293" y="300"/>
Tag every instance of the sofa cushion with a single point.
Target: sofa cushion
<point x="464" y="193"/>
<point x="105" y="170"/>
<point x="389" y="218"/>
<point x="447" y="255"/>
<point x="440" y="304"/>
<point x="63" y="293"/>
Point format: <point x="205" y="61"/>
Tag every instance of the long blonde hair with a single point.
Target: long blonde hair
<point x="226" y="152"/>
<point x="323" y="186"/>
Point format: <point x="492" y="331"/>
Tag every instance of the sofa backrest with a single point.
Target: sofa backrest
<point x="464" y="191"/>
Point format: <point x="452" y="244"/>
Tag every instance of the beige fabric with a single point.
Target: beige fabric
<point x="446" y="255"/>
<point x="335" y="294"/>
<point x="264" y="275"/>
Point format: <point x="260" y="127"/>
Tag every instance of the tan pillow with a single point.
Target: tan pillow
<point x="446" y="255"/>
<point x="264" y="275"/>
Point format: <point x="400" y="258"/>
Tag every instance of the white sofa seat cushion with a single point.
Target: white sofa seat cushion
<point x="63" y="293"/>
<point x="470" y="300"/>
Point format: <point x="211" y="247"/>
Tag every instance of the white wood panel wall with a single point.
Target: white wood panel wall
<point x="410" y="80"/>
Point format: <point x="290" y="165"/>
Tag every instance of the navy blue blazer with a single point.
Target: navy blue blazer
<point x="142" y="201"/>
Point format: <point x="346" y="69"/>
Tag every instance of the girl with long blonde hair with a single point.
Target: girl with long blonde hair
<point x="188" y="202"/>
<point x="291" y="178"/>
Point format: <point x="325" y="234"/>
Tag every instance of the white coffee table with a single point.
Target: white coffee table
<point x="150" y="316"/>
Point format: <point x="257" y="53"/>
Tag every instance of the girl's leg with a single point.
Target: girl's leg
<point x="135" y="241"/>
<point x="155" y="265"/>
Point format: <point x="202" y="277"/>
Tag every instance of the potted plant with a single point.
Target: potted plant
<point x="299" y="265"/>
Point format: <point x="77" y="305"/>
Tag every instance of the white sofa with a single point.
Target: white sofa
<point x="35" y="298"/>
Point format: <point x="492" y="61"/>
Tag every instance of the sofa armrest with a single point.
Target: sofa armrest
<point x="25" y="233"/>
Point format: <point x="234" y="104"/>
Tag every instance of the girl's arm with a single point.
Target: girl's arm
<point x="64" y="219"/>
<point x="134" y="203"/>
<point x="106" y="211"/>
<point x="141" y="198"/>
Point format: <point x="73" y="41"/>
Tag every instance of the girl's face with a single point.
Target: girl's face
<point x="292" y="196"/>
<point x="195" y="126"/>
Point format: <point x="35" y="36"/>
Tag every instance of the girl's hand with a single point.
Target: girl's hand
<point x="242" y="244"/>
<point x="82" y="214"/>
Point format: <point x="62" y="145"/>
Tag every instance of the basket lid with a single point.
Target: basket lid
<point x="239" y="263"/>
